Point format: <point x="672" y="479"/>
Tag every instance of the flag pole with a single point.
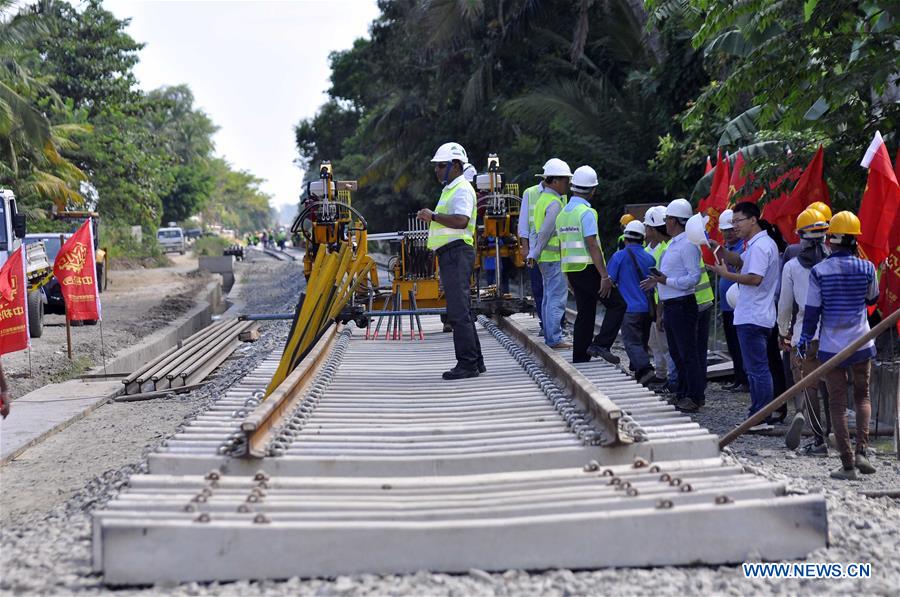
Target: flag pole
<point x="102" y="347"/>
<point x="68" y="337"/>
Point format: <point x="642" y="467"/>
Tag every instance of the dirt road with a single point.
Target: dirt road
<point x="136" y="303"/>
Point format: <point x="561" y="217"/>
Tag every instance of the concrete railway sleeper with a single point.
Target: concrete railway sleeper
<point x="366" y="462"/>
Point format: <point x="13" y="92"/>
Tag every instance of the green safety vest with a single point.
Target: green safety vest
<point x="574" y="253"/>
<point x="532" y="194"/>
<point x="551" y="251"/>
<point x="438" y="234"/>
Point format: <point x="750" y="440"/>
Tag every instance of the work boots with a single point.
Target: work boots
<point x="863" y="465"/>
<point x="844" y="474"/>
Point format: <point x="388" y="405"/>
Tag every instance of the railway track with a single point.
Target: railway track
<point x="364" y="461"/>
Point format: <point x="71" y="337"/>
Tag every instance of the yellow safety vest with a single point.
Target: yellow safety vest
<point x="440" y="235"/>
<point x="551" y="251"/>
<point x="532" y="194"/>
<point x="574" y="253"/>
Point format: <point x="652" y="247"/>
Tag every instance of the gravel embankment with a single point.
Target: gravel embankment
<point x="45" y="548"/>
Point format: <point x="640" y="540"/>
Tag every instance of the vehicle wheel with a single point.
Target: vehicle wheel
<point x="35" y="314"/>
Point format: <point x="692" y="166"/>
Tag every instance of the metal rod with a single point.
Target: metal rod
<point x="810" y="379"/>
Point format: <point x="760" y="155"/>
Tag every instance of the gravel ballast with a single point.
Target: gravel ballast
<point x="49" y="493"/>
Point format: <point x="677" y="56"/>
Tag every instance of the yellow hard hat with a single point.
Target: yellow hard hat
<point x="844" y="222"/>
<point x="625" y="219"/>
<point x="822" y="208"/>
<point x="812" y="220"/>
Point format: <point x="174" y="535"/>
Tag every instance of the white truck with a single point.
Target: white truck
<point x="38" y="268"/>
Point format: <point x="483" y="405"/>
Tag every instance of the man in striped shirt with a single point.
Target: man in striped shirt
<point x="840" y="287"/>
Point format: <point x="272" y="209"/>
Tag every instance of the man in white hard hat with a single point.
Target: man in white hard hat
<point x="451" y="235"/>
<point x="734" y="244"/>
<point x="527" y="237"/>
<point x="627" y="268"/>
<point x="585" y="267"/>
<point x="679" y="274"/>
<point x="544" y="252"/>
<point x="657" y="239"/>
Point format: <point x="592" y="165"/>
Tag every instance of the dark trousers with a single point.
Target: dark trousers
<point x="734" y="347"/>
<point x="586" y="285"/>
<point x="636" y="337"/>
<point x="537" y="288"/>
<point x="703" y="318"/>
<point x="680" y="320"/>
<point x="456" y="263"/>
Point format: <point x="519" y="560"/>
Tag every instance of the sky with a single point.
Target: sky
<point x="256" y="68"/>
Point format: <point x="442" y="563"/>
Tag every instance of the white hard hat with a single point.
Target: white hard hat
<point x="469" y="171"/>
<point x="696" y="229"/>
<point x="655" y="216"/>
<point x="555" y="167"/>
<point x="733" y="294"/>
<point x="725" y="220"/>
<point x="584" y="178"/>
<point x="634" y="229"/>
<point x="680" y="208"/>
<point x="449" y="152"/>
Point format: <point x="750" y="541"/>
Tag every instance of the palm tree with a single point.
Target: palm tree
<point x="30" y="146"/>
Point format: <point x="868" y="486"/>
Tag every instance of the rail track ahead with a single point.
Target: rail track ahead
<point x="365" y="461"/>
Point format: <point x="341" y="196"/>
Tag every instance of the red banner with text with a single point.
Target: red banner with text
<point x="13" y="303"/>
<point x="76" y="271"/>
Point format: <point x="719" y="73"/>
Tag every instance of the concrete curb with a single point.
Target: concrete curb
<point x="45" y="422"/>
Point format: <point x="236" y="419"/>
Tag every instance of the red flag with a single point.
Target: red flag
<point x="738" y="180"/>
<point x="13" y="305"/>
<point x="76" y="271"/>
<point x="880" y="203"/>
<point x="811" y="187"/>
<point x="708" y="166"/>
<point x="717" y="201"/>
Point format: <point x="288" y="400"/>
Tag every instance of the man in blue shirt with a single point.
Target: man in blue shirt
<point x="754" y="314"/>
<point x="839" y="289"/>
<point x="627" y="268"/>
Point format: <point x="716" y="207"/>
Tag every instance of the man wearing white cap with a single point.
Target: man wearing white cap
<point x="544" y="252"/>
<point x="657" y="239"/>
<point x="451" y="235"/>
<point x="679" y="274"/>
<point x="627" y="268"/>
<point x="735" y="245"/>
<point x="585" y="268"/>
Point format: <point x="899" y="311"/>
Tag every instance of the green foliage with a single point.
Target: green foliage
<point x="91" y="54"/>
<point x="790" y="74"/>
<point x="70" y="112"/>
<point x="124" y="248"/>
<point x="211" y="246"/>
<point x="585" y="81"/>
<point x="236" y="201"/>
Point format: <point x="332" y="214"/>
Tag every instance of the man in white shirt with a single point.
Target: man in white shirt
<point x="754" y="314"/>
<point x="451" y="235"/>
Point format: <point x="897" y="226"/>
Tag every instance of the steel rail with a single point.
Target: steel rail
<point x="259" y="426"/>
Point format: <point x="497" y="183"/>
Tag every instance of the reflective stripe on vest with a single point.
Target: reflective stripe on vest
<point x="438" y="234"/>
<point x="574" y="253"/>
<point x="533" y="194"/>
<point x="704" y="293"/>
<point x="551" y="250"/>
